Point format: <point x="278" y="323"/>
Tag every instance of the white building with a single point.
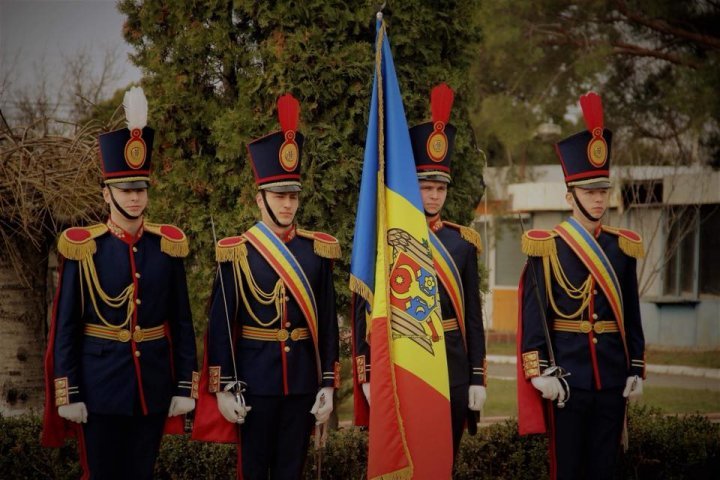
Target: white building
<point x="677" y="212"/>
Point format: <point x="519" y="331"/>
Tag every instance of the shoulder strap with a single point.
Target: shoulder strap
<point x="174" y="242"/>
<point x="78" y="243"/>
<point x="230" y="249"/>
<point x="539" y="243"/>
<point x="630" y="242"/>
<point x="324" y="245"/>
<point x="467" y="233"/>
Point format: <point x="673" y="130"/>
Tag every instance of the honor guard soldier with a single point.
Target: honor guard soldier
<point x="580" y="340"/>
<point x="274" y="292"/>
<point x="121" y="351"/>
<point x="455" y="252"/>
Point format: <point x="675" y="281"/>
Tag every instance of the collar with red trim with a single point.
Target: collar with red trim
<point x="122" y="234"/>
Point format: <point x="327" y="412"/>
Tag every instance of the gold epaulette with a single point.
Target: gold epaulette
<point x="539" y="243"/>
<point x="324" y="245"/>
<point x="78" y="243"/>
<point x="630" y="242"/>
<point x="467" y="233"/>
<point x="174" y="242"/>
<point x="230" y="249"/>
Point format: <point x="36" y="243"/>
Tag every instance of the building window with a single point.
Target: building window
<point x="693" y="251"/>
<point x="642" y="192"/>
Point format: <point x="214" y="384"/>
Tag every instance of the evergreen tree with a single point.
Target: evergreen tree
<point x="214" y="69"/>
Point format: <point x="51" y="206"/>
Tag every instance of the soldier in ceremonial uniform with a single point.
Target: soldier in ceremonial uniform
<point x="580" y="311"/>
<point x="455" y="252"/>
<point x="274" y="292"/>
<point x="121" y="351"/>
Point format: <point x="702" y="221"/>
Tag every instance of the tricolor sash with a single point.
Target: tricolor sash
<point x="449" y="276"/>
<point x="284" y="263"/>
<point x="593" y="257"/>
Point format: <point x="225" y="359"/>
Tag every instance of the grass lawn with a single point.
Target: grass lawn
<point x="502" y="400"/>
<point x="704" y="359"/>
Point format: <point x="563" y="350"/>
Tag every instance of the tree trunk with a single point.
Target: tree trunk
<point x="23" y="309"/>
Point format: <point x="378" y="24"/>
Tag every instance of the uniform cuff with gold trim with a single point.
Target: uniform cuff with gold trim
<point x="64" y="393"/>
<point x="479" y="375"/>
<point x="187" y="388"/>
<point x="195" y="386"/>
<point x="216" y="381"/>
<point x="637" y="367"/>
<point x="362" y="369"/>
<point x="532" y="364"/>
<point x="332" y="379"/>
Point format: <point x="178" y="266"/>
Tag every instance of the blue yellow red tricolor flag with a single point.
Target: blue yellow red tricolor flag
<point x="392" y="269"/>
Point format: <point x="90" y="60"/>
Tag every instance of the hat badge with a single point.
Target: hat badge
<point x="437" y="144"/>
<point x="135" y="149"/>
<point x="136" y="107"/>
<point x="597" y="150"/>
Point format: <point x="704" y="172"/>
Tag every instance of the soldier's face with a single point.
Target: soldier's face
<point x="595" y="201"/>
<point x="133" y="201"/>
<point x="433" y="196"/>
<point x="283" y="205"/>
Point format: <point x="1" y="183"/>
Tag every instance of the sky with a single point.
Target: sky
<point x="41" y="33"/>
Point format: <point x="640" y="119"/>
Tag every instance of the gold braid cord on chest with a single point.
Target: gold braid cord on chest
<point x="582" y="293"/>
<point x="276" y="296"/>
<point x="89" y="275"/>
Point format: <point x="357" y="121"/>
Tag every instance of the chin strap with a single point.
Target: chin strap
<point x="122" y="210"/>
<point x="582" y="209"/>
<point x="271" y="213"/>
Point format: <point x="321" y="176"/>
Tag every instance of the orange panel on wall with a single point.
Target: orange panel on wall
<point x="505" y="309"/>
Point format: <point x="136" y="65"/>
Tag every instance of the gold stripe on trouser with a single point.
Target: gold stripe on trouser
<point x="583" y="326"/>
<point x="124" y="335"/>
<point x="274" y="334"/>
<point x="450" y="324"/>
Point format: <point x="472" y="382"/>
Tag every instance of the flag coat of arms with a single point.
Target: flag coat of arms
<point x="392" y="268"/>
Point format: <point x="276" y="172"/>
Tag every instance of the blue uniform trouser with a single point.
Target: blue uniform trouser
<point x="458" y="413"/>
<point x="275" y="436"/>
<point x="587" y="434"/>
<point x="121" y="446"/>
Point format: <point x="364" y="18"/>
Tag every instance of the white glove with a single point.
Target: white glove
<point x="230" y="408"/>
<point x="180" y="406"/>
<point x="323" y="406"/>
<point x="550" y="387"/>
<point x="366" y="391"/>
<point x="75" y="412"/>
<point x="476" y="397"/>
<point x="633" y="387"/>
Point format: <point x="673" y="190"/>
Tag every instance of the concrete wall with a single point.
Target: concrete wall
<point x="693" y="325"/>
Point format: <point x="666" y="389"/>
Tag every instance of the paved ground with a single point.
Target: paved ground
<point x="662" y="378"/>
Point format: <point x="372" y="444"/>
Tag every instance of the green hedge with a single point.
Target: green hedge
<point x="661" y="447"/>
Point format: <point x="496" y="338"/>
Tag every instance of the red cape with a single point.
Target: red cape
<point x="531" y="411"/>
<point x="210" y="425"/>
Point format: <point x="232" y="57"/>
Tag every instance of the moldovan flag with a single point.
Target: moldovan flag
<point x="392" y="269"/>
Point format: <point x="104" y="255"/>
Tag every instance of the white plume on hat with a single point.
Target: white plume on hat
<point x="136" y="108"/>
